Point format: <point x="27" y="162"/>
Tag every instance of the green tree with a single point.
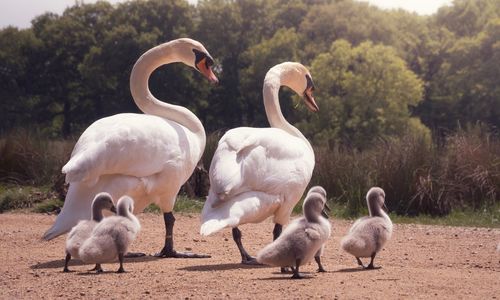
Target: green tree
<point x="17" y="55"/>
<point x="364" y="93"/>
<point x="260" y="58"/>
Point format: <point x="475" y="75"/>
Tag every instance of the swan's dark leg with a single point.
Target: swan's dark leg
<point x="120" y="258"/>
<point x="370" y="266"/>
<point x="360" y="262"/>
<point x="278" y="228"/>
<point x="168" y="249"/>
<point x="320" y="266"/>
<point x="246" y="259"/>
<point x="66" y="262"/>
<point x="296" y="274"/>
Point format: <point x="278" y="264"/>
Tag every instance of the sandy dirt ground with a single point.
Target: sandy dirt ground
<point x="419" y="262"/>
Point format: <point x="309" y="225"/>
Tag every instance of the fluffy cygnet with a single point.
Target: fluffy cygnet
<point x="302" y="240"/>
<point x="369" y="234"/>
<point x="82" y="231"/>
<point x="111" y="237"/>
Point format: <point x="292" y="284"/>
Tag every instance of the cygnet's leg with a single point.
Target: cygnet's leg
<point x="360" y="262"/>
<point x="66" y="262"/>
<point x="320" y="266"/>
<point x="278" y="228"/>
<point x="168" y="249"/>
<point x="120" y="258"/>
<point x="246" y="258"/>
<point x="97" y="268"/>
<point x="296" y="274"/>
<point x="370" y="266"/>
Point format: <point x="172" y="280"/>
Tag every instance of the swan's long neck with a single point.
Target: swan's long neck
<point x="143" y="68"/>
<point x="96" y="213"/>
<point x="272" y="84"/>
<point x="375" y="210"/>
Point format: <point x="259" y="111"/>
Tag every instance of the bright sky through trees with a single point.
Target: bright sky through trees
<point x="19" y="13"/>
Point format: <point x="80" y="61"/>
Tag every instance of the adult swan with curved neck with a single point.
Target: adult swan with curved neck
<point x="259" y="172"/>
<point x="145" y="156"/>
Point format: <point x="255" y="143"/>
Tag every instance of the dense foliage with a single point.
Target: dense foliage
<point x="377" y="72"/>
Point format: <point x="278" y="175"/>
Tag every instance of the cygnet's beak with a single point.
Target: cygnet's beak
<point x="385" y="208"/>
<point x="326" y="209"/>
<point x="113" y="209"/>
<point x="206" y="69"/>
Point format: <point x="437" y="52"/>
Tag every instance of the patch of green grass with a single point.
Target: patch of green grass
<point x="14" y="198"/>
<point x="487" y="217"/>
<point x="39" y="199"/>
<point x="48" y="205"/>
<point x="183" y="204"/>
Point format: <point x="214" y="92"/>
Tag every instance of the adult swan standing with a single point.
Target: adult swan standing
<point x="145" y="156"/>
<point x="259" y="172"/>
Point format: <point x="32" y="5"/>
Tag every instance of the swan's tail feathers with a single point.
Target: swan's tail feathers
<point x="53" y="232"/>
<point x="352" y="245"/>
<point x="212" y="226"/>
<point x="77" y="169"/>
<point x="77" y="206"/>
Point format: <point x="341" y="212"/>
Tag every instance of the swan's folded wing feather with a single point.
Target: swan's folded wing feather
<point x="262" y="159"/>
<point x="126" y="144"/>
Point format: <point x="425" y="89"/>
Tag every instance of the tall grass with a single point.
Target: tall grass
<point x="27" y="158"/>
<point x="418" y="176"/>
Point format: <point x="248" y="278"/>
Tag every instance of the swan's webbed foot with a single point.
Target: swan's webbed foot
<point x="134" y="254"/>
<point x="297" y="276"/>
<point x="170" y="253"/>
<point x="246" y="258"/>
<point x="251" y="261"/>
<point x="168" y="249"/>
<point x="66" y="270"/>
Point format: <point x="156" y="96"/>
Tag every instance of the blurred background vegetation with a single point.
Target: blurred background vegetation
<point x="407" y="102"/>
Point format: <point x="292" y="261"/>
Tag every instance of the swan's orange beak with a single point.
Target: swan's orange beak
<point x="309" y="100"/>
<point x="206" y="70"/>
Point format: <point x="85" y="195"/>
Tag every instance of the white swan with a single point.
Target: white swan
<point x="368" y="235"/>
<point x="147" y="156"/>
<point x="82" y="231"/>
<point x="259" y="172"/>
<point x="302" y="239"/>
<point x="111" y="237"/>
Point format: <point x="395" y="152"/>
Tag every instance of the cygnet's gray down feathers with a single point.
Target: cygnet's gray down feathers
<point x="83" y="230"/>
<point x="302" y="239"/>
<point x="112" y="236"/>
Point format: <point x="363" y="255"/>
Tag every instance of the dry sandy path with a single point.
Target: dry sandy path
<point x="419" y="262"/>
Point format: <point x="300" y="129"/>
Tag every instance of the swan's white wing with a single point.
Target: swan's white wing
<point x="129" y="144"/>
<point x="260" y="159"/>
